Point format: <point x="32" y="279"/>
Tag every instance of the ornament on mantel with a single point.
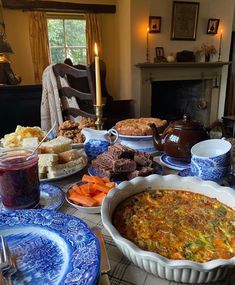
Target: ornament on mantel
<point x="170" y="57"/>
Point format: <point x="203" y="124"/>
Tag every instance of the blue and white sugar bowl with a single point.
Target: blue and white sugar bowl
<point x="97" y="142"/>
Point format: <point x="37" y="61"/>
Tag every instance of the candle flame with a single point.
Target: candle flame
<point x="96" y="49"/>
<point x="147" y="29"/>
<point x="221" y="31"/>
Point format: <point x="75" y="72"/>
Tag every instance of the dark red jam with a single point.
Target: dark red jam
<point x="19" y="183"/>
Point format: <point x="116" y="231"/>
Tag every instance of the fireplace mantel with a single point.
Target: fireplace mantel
<point x="150" y="72"/>
<point x="184" y="64"/>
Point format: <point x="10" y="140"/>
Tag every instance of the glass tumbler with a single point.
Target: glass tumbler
<point x="19" y="182"/>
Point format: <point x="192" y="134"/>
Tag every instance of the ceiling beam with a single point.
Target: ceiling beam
<point x="52" y="6"/>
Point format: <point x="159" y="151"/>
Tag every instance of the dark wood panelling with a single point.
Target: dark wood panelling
<point x="58" y="6"/>
<point x="19" y="105"/>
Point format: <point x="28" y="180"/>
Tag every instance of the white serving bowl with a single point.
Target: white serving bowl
<point x="185" y="271"/>
<point x="140" y="143"/>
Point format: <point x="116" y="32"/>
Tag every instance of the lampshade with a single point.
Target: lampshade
<point x="4" y="45"/>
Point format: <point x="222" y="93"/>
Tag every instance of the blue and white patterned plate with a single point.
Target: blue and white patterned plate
<point x="173" y="163"/>
<point x="51" y="248"/>
<point x="51" y="197"/>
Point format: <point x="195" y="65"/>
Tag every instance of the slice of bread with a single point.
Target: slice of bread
<point x="57" y="145"/>
<point x="47" y="159"/>
<point x="69" y="155"/>
<point x="66" y="168"/>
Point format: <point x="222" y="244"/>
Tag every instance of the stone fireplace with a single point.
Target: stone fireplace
<point x="168" y="90"/>
<point x="170" y="100"/>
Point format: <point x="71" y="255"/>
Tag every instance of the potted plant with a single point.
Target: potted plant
<point x="208" y="50"/>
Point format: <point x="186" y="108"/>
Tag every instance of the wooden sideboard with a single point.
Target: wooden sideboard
<point x="19" y="105"/>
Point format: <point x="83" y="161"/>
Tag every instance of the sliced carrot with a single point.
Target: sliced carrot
<point x="91" y="192"/>
<point x="76" y="188"/>
<point x="87" y="188"/>
<point x="99" y="198"/>
<point x="70" y="191"/>
<point x="97" y="180"/>
<point x="102" y="188"/>
<point x="110" y="184"/>
<point x="87" y="178"/>
<point x="83" y="200"/>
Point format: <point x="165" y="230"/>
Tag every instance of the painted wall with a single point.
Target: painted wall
<point x="141" y="10"/>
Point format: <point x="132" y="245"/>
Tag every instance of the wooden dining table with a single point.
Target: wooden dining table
<point x="122" y="271"/>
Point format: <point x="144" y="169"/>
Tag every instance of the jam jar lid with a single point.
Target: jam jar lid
<point x="187" y="123"/>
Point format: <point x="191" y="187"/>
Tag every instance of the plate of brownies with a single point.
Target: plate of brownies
<point x="121" y="163"/>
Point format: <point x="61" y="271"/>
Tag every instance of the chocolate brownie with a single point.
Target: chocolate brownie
<point x="143" y="159"/>
<point x="124" y="165"/>
<point x="103" y="160"/>
<point x="142" y="171"/>
<point x="120" y="151"/>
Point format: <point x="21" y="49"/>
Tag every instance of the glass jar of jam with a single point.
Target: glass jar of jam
<point x="19" y="183"/>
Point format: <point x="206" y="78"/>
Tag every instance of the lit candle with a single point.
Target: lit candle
<point x="97" y="78"/>
<point x="147" y="46"/>
<point x="220" y="42"/>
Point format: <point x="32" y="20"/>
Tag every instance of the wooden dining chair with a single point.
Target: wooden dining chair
<point x="85" y="98"/>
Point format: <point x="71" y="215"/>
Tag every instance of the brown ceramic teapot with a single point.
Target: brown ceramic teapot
<point x="178" y="138"/>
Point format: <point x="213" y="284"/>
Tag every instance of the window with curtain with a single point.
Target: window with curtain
<point x="67" y="38"/>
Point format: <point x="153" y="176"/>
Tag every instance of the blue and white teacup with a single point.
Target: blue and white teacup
<point x="211" y="159"/>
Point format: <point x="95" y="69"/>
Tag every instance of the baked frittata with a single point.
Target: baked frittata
<point x="178" y="225"/>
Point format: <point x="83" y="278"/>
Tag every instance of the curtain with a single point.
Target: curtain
<point x="93" y="35"/>
<point x="39" y="43"/>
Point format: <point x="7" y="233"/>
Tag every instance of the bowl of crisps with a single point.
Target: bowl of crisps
<point x="23" y="137"/>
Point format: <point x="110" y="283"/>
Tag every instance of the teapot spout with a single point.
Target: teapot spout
<point x="157" y="139"/>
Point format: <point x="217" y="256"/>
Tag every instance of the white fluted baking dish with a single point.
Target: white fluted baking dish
<point x="185" y="271"/>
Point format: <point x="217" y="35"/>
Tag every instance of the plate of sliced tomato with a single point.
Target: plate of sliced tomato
<point x="88" y="194"/>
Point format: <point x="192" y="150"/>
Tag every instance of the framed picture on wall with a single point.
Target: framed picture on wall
<point x="155" y="24"/>
<point x="159" y="51"/>
<point x="184" y="20"/>
<point x="212" y="26"/>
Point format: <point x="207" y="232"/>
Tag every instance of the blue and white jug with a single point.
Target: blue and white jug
<point x="97" y="142"/>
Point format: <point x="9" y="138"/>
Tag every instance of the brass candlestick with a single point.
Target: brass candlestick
<point x="99" y="116"/>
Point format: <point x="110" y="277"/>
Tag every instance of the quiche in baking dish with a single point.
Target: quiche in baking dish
<point x="178" y="225"/>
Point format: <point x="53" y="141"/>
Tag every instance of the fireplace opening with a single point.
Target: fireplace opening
<point x="170" y="100"/>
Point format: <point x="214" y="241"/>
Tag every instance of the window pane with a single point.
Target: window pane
<point x="57" y="55"/>
<point x="75" y="32"/>
<point x="78" y="55"/>
<point x="55" y="32"/>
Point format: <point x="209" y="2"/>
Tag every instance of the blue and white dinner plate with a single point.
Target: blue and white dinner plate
<point x="51" y="197"/>
<point x="174" y="163"/>
<point x="51" y="248"/>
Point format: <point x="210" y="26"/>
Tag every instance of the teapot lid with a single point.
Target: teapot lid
<point x="187" y="123"/>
